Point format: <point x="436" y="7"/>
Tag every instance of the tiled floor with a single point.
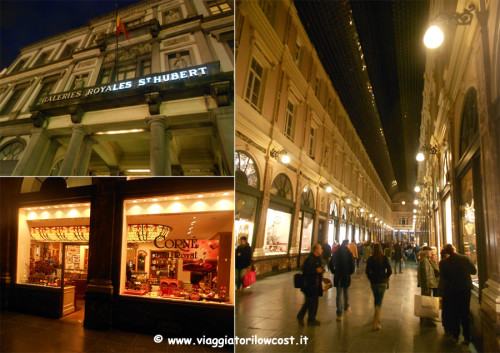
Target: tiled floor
<point x="269" y="308"/>
<point x="26" y="333"/>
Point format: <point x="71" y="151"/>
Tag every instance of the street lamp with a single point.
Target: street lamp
<point x="427" y="149"/>
<point x="434" y="36"/>
<point x="285" y="158"/>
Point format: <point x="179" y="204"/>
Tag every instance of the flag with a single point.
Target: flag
<point x="120" y="26"/>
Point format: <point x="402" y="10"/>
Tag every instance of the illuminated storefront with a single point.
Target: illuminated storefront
<point x="76" y="237"/>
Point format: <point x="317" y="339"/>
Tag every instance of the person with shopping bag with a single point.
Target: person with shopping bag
<point x="426" y="279"/>
<point x="312" y="271"/>
<point x="243" y="261"/>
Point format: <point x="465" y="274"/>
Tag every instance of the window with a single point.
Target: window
<point x="126" y="72"/>
<point x="311" y="142"/>
<point x="145" y="67"/>
<point x="246" y="169"/>
<point x="290" y="120"/>
<point x="42" y="59"/>
<point x="46" y="89"/>
<point x="105" y="76"/>
<point x="254" y="85"/>
<point x="80" y="81"/>
<point x="297" y="54"/>
<point x="14" y="98"/>
<point x="219" y="6"/>
<point x="68" y="51"/>
<point x="19" y="65"/>
<point x="56" y="168"/>
<point x="269" y="9"/>
<point x="12" y="151"/>
<point x="282" y="187"/>
<point x="172" y="15"/>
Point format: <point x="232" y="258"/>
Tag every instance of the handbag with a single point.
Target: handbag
<point x="326" y="284"/>
<point x="299" y="280"/>
<point x="249" y="279"/>
<point x="426" y="306"/>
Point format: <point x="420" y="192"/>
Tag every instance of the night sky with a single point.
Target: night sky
<point x="24" y="22"/>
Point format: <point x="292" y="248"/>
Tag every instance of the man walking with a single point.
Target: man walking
<point x="426" y="278"/>
<point x="313" y="273"/>
<point x="342" y="267"/>
<point x="456" y="273"/>
<point x="397" y="255"/>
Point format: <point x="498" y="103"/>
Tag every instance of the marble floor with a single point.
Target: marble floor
<point x="269" y="308"/>
<point x="26" y="333"/>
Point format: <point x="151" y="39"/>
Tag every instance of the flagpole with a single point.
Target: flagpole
<point x="116" y="49"/>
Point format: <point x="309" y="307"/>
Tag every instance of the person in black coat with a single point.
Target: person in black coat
<point x="397" y="255"/>
<point x="342" y="267"/>
<point x="243" y="261"/>
<point x="456" y="284"/>
<point x="312" y="269"/>
<point x="378" y="270"/>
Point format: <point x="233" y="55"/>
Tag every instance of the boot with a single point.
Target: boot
<point x="376" y="319"/>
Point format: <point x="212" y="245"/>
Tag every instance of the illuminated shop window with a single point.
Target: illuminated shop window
<point x="246" y="171"/>
<point x="307" y="198"/>
<point x="44" y="256"/>
<point x="12" y="151"/>
<point x="171" y="246"/>
<point x="219" y="6"/>
<point x="255" y="85"/>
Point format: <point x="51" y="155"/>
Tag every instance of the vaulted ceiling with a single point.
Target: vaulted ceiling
<point x="375" y="57"/>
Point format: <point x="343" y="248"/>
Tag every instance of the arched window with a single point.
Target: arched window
<point x="12" y="150"/>
<point x="282" y="187"/>
<point x="469" y="128"/>
<point x="246" y="169"/>
<point x="334" y="212"/>
<point x="307" y="198"/>
<point x="343" y="213"/>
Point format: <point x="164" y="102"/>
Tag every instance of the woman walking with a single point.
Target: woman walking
<point x="378" y="270"/>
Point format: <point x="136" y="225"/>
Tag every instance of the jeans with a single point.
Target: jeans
<point x="396" y="263"/>
<point x="339" y="299"/>
<point x="240" y="273"/>
<point x="378" y="290"/>
<point x="311" y="305"/>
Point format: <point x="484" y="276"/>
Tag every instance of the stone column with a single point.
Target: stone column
<point x="105" y="220"/>
<point x="224" y="118"/>
<point x="48" y="160"/>
<point x="32" y="153"/>
<point x="159" y="151"/>
<point x="69" y="163"/>
<point x="155" y="56"/>
<point x="82" y="165"/>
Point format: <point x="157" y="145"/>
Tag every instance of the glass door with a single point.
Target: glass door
<point x="75" y="270"/>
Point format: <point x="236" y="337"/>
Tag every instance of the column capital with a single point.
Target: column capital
<point x="81" y="129"/>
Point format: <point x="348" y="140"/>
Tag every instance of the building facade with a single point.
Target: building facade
<point x="302" y="173"/>
<point x="158" y="101"/>
<point x="67" y="244"/>
<point x="460" y="134"/>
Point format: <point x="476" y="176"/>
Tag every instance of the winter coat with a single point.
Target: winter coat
<point x="342" y="267"/>
<point x="378" y="272"/>
<point x="243" y="256"/>
<point x="397" y="253"/>
<point x="426" y="277"/>
<point x="456" y="273"/>
<point x="312" y="278"/>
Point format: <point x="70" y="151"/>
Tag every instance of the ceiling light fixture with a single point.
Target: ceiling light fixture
<point x="417" y="188"/>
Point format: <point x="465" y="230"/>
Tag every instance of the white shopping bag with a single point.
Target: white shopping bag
<point x="426" y="306"/>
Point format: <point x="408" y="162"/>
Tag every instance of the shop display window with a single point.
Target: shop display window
<point x="331" y="231"/>
<point x="468" y="221"/>
<point x="277" y="232"/>
<point x="356" y="235"/>
<point x="53" y="245"/>
<point x="246" y="207"/>
<point x="307" y="230"/>
<point x="179" y="247"/>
